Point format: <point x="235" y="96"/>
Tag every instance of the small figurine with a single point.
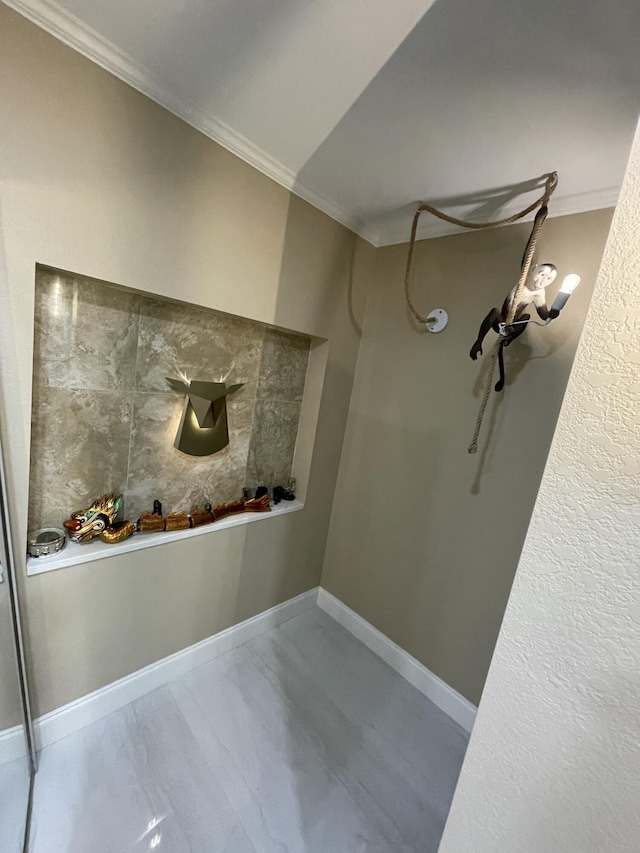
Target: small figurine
<point x="151" y="521"/>
<point x="87" y="523"/>
<point x="220" y="511"/>
<point x="118" y="532"/>
<point x="200" y="517"/>
<point x="223" y="510"/>
<point x="257" y="504"/>
<point x="282" y="494"/>
<point x="260" y="491"/>
<point x="532" y="293"/>
<point x="177" y="521"/>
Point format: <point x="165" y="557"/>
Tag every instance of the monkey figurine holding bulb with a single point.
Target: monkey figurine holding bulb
<point x="533" y="292"/>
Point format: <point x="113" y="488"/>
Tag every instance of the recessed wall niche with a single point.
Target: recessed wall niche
<point x="104" y="417"/>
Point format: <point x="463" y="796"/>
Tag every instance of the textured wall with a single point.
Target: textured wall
<point x="104" y="419"/>
<point x="553" y="761"/>
<point x="425" y="539"/>
<point x="94" y="177"/>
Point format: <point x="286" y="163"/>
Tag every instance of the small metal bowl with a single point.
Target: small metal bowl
<point x="45" y="542"/>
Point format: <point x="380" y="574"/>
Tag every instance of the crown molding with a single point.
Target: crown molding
<point x="386" y="231"/>
<point x="393" y="230"/>
<point x="69" y="29"/>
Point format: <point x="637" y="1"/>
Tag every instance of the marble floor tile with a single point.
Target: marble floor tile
<point x="375" y="697"/>
<point x="88" y="795"/>
<point x="384" y="786"/>
<point x="133" y="781"/>
<point x="272" y="767"/>
<point x="14" y="798"/>
<point x="301" y="741"/>
<point x="174" y="770"/>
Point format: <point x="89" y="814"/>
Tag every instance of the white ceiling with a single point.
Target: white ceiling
<point x="367" y="106"/>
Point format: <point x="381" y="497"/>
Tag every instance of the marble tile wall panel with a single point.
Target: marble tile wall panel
<point x="283" y="369"/>
<point x="86" y="333"/>
<point x="181" y="482"/>
<point x="105" y="419"/>
<point x="79" y="449"/>
<point x="183" y="341"/>
<point x="283" y="372"/>
<point x="273" y="442"/>
<point x="85" y="343"/>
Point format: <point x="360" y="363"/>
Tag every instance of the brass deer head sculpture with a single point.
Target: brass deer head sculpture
<point x="203" y="427"/>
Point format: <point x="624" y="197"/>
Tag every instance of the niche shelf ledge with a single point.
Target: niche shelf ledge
<point x="74" y="553"/>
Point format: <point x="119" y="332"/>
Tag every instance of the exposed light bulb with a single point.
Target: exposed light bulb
<point x="568" y="286"/>
<point x="570" y="283"/>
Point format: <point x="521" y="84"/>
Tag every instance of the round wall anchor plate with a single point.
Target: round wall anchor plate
<point x="441" y="319"/>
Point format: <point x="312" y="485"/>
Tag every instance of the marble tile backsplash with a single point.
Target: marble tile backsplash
<point x="283" y="370"/>
<point x="104" y="419"/>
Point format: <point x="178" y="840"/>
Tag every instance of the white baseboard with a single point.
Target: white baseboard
<point x="13" y="744"/>
<point x="80" y="713"/>
<point x="445" y="697"/>
<point x="76" y="715"/>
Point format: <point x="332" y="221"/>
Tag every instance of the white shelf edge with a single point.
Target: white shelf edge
<point x="74" y="553"/>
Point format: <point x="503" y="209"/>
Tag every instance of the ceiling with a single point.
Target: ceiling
<point x="366" y="107"/>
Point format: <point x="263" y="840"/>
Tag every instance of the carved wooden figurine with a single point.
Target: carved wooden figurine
<point x="84" y="524"/>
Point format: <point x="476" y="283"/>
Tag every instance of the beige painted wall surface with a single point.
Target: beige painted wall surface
<point x="10" y="710"/>
<point x="424" y="538"/>
<point x="96" y="178"/>
<point x="553" y="762"/>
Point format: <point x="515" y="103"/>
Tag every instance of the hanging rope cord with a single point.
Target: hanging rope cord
<point x="541" y="204"/>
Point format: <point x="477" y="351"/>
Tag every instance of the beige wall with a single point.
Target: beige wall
<point x="424" y="538"/>
<point x="553" y="760"/>
<point x="96" y="178"/>
<point x="10" y="709"/>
